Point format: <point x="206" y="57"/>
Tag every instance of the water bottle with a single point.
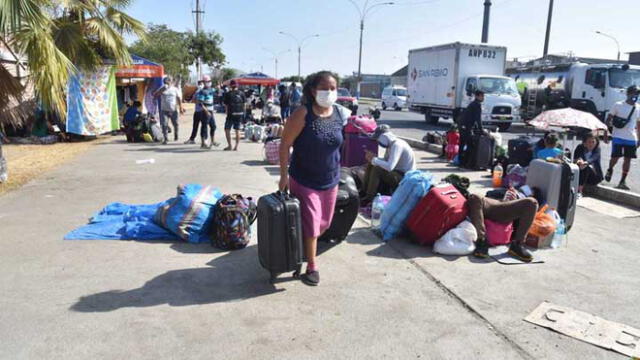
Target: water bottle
<point x="497" y="176"/>
<point x="376" y="211"/>
<point x="558" y="237"/>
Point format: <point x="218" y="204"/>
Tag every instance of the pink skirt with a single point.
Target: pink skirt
<point x="316" y="208"/>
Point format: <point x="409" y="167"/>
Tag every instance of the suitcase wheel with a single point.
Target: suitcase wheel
<point x="296" y="274"/>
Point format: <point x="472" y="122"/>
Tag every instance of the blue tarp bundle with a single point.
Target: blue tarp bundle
<point x="188" y="217"/>
<point x="413" y="187"/>
<point x="118" y="221"/>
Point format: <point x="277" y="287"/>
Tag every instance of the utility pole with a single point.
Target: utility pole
<point x="300" y="43"/>
<point x="199" y="13"/>
<point x="546" y="38"/>
<point x="485" y="22"/>
<point x="363" y="12"/>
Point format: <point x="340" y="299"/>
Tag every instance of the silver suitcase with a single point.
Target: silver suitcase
<point x="559" y="185"/>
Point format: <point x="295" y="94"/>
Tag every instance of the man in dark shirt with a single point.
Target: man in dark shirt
<point x="234" y="103"/>
<point x="471" y="120"/>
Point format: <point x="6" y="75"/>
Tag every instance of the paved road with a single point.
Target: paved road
<point x="412" y="125"/>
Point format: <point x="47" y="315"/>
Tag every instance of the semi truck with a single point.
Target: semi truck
<point x="442" y="80"/>
<point x="588" y="87"/>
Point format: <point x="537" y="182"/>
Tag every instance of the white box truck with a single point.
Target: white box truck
<point x="442" y="79"/>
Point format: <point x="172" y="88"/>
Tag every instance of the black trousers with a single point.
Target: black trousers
<point x="194" y="130"/>
<point x="589" y="176"/>
<point x="466" y="148"/>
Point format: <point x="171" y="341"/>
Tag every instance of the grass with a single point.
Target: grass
<point x="26" y="162"/>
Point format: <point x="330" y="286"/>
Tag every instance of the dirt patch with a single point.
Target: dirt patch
<point x="26" y="162"/>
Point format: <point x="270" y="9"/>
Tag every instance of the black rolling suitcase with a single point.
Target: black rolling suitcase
<point x="481" y="156"/>
<point x="520" y="151"/>
<point x="347" y="206"/>
<point x="280" y="246"/>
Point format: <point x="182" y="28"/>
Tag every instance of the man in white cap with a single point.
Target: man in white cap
<point x="398" y="159"/>
<point x="171" y="101"/>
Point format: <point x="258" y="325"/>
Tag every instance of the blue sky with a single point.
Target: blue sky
<point x="248" y="26"/>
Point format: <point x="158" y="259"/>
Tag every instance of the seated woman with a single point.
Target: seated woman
<point x="587" y="157"/>
<point x="551" y="148"/>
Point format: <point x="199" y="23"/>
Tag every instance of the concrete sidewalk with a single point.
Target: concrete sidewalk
<point x="117" y="299"/>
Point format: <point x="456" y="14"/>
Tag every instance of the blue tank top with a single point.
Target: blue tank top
<point x="315" y="161"/>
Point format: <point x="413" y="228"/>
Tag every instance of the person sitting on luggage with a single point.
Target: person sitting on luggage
<point x="471" y="121"/>
<point x="587" y="157"/>
<point x="398" y="159"/>
<point x="314" y="131"/>
<point x="453" y="143"/>
<point x="130" y="118"/>
<point x="551" y="148"/>
<point x="522" y="212"/>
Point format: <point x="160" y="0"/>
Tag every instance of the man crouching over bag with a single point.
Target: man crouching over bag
<point x="398" y="159"/>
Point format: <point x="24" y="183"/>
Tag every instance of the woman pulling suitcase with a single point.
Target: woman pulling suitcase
<point x="314" y="130"/>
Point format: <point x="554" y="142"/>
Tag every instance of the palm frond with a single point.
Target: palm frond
<point x="109" y="40"/>
<point x="125" y="23"/>
<point x="13" y="111"/>
<point x="70" y="40"/>
<point x="14" y="13"/>
<point x="49" y="67"/>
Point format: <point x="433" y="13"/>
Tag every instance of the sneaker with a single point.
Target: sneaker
<point x="579" y="196"/>
<point x="623" y="186"/>
<point x="203" y="146"/>
<point x="164" y="142"/>
<point x="216" y="144"/>
<point x="608" y="176"/>
<point x="189" y="142"/>
<point x="517" y="251"/>
<point x="482" y="249"/>
<point x="311" y="278"/>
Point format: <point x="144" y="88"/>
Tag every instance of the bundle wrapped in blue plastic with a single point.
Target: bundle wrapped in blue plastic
<point x="118" y="221"/>
<point x="413" y="187"/>
<point x="190" y="214"/>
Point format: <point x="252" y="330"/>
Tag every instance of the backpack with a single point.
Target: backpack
<point x="232" y="221"/>
<point x="620" y="122"/>
<point x="236" y="103"/>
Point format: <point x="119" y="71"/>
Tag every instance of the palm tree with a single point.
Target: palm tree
<point x="57" y="37"/>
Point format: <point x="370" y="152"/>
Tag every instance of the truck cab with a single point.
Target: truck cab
<point x="502" y="101"/>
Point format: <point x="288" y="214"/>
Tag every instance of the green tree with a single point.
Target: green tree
<point x="167" y="47"/>
<point x="206" y="46"/>
<point x="59" y="36"/>
<point x="228" y="73"/>
<point x="294" y="78"/>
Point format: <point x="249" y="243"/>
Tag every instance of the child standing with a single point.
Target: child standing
<point x="453" y="142"/>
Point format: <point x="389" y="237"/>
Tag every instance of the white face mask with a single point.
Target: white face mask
<point x="326" y="98"/>
<point x="200" y="87"/>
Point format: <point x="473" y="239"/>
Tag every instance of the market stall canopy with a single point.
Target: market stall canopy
<point x="256" y="78"/>
<point x="141" y="68"/>
<point x="567" y="118"/>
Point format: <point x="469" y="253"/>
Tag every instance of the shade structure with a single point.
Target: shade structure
<point x="256" y="78"/>
<point x="140" y="68"/>
<point x="567" y="118"/>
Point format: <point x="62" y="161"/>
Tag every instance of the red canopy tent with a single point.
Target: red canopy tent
<point x="257" y="78"/>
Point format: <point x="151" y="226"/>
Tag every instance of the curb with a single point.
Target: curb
<point x="601" y="192"/>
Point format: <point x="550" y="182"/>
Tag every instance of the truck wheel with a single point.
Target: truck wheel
<point x="504" y="127"/>
<point x="433" y="120"/>
<point x="384" y="106"/>
<point x="396" y="107"/>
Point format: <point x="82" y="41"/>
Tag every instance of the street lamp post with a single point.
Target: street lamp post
<point x="275" y="56"/>
<point x="300" y="43"/>
<point x="612" y="38"/>
<point x="363" y="12"/>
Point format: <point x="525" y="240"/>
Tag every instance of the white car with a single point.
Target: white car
<point x="394" y="97"/>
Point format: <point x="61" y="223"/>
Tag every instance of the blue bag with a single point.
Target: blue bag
<point x="413" y="187"/>
<point x="190" y="214"/>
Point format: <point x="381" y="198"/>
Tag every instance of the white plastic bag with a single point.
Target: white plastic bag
<point x="457" y="241"/>
<point x="4" y="172"/>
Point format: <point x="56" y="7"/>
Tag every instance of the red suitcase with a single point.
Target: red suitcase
<point x="442" y="209"/>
